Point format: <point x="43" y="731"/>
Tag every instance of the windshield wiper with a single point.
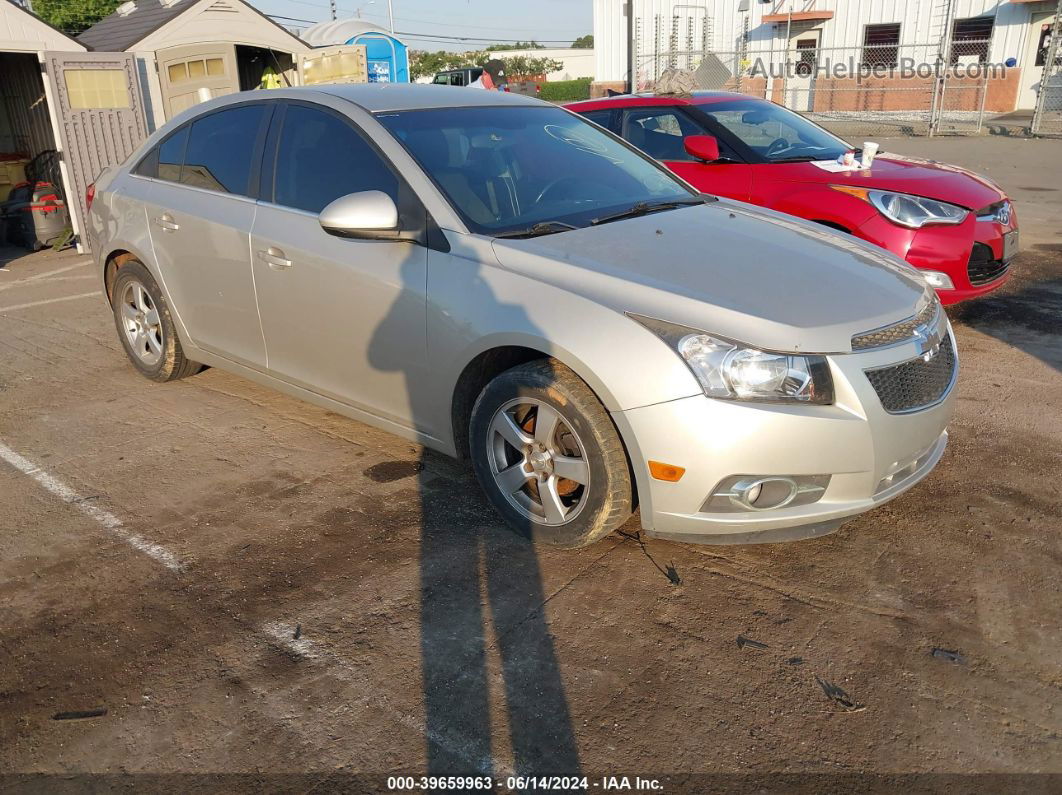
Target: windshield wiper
<point x="797" y="159"/>
<point x="644" y="208"/>
<point x="536" y="230"/>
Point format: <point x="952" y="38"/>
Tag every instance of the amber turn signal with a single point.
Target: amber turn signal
<point x="668" y="472"/>
<point x="859" y="193"/>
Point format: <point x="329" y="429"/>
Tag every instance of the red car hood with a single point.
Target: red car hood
<point x="905" y="175"/>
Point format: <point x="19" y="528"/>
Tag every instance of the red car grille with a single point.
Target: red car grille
<point x="983" y="268"/>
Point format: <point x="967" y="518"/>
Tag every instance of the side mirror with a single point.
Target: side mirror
<point x="370" y="215"/>
<point x="702" y="147"/>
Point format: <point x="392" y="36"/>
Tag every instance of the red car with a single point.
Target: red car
<point x="958" y="228"/>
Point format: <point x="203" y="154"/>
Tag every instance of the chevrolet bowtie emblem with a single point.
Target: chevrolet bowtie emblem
<point x="927" y="342"/>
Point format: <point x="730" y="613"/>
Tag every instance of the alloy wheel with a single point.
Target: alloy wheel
<point x="142" y="325"/>
<point x="538" y="461"/>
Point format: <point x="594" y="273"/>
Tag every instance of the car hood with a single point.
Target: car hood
<point x="731" y="269"/>
<point x="905" y="175"/>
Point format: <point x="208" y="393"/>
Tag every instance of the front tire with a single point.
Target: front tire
<point x="548" y="456"/>
<point x="146" y="327"/>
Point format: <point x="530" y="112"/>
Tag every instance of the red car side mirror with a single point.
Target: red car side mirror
<point x="702" y="147"/>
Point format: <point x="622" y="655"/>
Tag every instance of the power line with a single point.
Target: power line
<point x="322" y="7"/>
<point x="292" y="19"/>
<point x="474" y="38"/>
<point x="439" y="38"/>
<point x="445" y="24"/>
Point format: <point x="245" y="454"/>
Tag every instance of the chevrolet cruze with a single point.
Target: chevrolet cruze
<point x="498" y="279"/>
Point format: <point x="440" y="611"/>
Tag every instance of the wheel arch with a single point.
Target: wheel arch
<point x="495" y="357"/>
<point x="491" y="362"/>
<point x="111" y="263"/>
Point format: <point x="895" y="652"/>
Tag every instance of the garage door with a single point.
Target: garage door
<point x="98" y="116"/>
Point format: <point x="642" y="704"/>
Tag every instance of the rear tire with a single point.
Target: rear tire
<point x="145" y="326"/>
<point x="548" y="456"/>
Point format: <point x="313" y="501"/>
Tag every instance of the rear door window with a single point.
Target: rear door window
<point x="220" y="150"/>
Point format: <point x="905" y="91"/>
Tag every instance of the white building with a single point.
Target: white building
<point x="679" y="32"/>
<point x="576" y="63"/>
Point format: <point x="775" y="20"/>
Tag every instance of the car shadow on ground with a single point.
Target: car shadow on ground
<point x="1026" y="313"/>
<point x="476" y="573"/>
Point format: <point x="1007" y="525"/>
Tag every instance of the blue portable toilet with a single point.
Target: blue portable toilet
<point x="387" y="55"/>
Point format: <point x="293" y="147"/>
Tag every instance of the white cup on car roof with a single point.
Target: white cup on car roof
<point x="870" y="151"/>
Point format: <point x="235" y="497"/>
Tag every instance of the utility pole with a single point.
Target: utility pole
<point x="631" y="44"/>
<point x="391" y="17"/>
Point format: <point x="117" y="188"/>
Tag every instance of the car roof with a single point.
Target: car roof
<point x="649" y="98"/>
<point x="376" y="97"/>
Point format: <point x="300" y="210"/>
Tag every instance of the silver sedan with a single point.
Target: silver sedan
<point x="499" y="279"/>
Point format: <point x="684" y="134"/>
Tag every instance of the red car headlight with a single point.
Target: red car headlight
<point x="906" y="209"/>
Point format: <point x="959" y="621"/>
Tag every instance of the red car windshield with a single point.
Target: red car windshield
<point x="774" y="133"/>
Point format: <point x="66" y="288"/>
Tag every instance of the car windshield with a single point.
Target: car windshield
<point x="505" y="169"/>
<point x="773" y="132"/>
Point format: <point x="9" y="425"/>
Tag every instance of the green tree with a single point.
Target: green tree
<point x="426" y="64"/>
<point x="520" y="45"/>
<point x="584" y="42"/>
<point x="73" y="16"/>
<point x="518" y="66"/>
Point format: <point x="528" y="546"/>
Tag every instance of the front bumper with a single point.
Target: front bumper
<point x="944" y="248"/>
<point x="855" y="441"/>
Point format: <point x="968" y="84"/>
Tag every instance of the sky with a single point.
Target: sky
<point x="555" y="23"/>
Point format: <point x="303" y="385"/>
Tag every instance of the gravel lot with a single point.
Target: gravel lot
<point x="248" y="584"/>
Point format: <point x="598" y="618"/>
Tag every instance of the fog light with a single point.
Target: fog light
<point x="765" y="492"/>
<point x="750" y="495"/>
<point x="938" y="280"/>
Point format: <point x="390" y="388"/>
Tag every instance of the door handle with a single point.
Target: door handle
<point x="166" y="222"/>
<point x="274" y="258"/>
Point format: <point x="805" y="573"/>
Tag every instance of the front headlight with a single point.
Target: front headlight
<point x="904" y="209"/>
<point x="730" y="370"/>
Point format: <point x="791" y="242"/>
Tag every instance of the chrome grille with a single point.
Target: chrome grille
<point x="898" y="332"/>
<point x="916" y="383"/>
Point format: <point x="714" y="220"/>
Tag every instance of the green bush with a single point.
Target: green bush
<point x="566" y="90"/>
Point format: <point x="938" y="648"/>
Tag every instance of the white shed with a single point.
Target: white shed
<point x="185" y="49"/>
<point x="67" y="111"/>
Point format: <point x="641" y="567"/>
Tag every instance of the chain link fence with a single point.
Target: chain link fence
<point x="1047" y="119"/>
<point x="908" y="89"/>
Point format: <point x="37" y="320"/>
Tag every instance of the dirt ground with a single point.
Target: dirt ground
<point x="251" y="585"/>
